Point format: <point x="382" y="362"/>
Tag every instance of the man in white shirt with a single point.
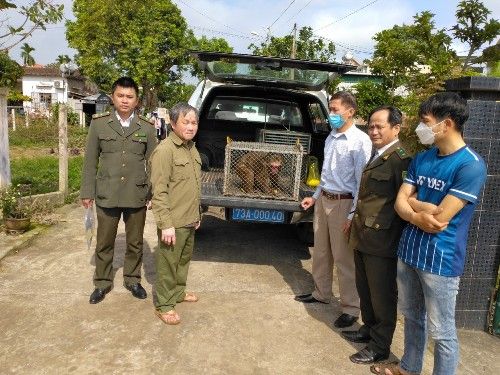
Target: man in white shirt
<point x="347" y="150"/>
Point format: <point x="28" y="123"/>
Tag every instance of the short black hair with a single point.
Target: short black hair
<point x="181" y="108"/>
<point x="125" y="82"/>
<point x="446" y="104"/>
<point x="346" y="98"/>
<point x="395" y="116"/>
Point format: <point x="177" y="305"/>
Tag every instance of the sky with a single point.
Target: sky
<point x="351" y="24"/>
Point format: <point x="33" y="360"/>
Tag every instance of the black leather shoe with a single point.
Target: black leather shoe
<point x="355" y="336"/>
<point x="344" y="321"/>
<point x="137" y="290"/>
<point x="307" y="298"/>
<point x="366" y="356"/>
<point x="98" y="295"/>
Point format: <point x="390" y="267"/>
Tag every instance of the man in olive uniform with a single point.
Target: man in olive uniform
<point x="175" y="179"/>
<point x="115" y="176"/>
<point x="376" y="229"/>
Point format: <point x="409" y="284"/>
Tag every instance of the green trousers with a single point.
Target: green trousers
<point x="172" y="265"/>
<point x="107" y="226"/>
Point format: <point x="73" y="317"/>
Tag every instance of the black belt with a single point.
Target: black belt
<point x="336" y="196"/>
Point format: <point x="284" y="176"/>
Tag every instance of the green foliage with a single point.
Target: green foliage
<point x="308" y="47"/>
<point x="174" y="93"/>
<point x="402" y="52"/>
<point x="148" y="39"/>
<point x="72" y="117"/>
<point x="44" y="133"/>
<point x="26" y="50"/>
<point x="33" y="16"/>
<point x="10" y="202"/>
<point x="474" y="28"/>
<point x="208" y="45"/>
<point x="16" y="97"/>
<point x="370" y="95"/>
<point x="10" y="71"/>
<point x="491" y="56"/>
<point x="42" y="173"/>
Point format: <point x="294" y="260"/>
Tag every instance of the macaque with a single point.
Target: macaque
<point x="259" y="171"/>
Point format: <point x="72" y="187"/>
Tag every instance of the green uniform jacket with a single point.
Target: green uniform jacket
<point x="115" y="167"/>
<point x="175" y="179"/>
<point x="376" y="227"/>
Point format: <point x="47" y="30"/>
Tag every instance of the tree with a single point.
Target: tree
<point x="35" y="16"/>
<point x="10" y="71"/>
<point x="308" y="47"/>
<point x="61" y="59"/>
<point x="491" y="56"/>
<point x="370" y="95"/>
<point x="208" y="45"/>
<point x="417" y="57"/>
<point x="26" y="50"/>
<point x="149" y="42"/>
<point x="474" y="28"/>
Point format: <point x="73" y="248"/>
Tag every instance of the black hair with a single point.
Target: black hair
<point x="181" y="108"/>
<point x="126" y="82"/>
<point x="346" y="98"/>
<point x="395" y="116"/>
<point x="446" y="104"/>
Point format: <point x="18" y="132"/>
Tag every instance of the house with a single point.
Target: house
<point x="46" y="86"/>
<point x="361" y="73"/>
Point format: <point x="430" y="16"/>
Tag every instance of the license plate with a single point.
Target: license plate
<point x="257" y="214"/>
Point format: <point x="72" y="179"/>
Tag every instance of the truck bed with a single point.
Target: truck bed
<point x="212" y="182"/>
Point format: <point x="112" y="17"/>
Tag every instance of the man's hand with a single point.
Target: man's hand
<point x="419" y="206"/>
<point x="87" y="202"/>
<point x="168" y="236"/>
<point x="307" y="203"/>
<point x="346" y="228"/>
<point x="149" y="205"/>
<point x="197" y="225"/>
<point x="427" y="222"/>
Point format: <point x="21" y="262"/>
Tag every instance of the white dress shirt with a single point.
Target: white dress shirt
<point x="381" y="150"/>
<point x="125" y="123"/>
<point x="345" y="157"/>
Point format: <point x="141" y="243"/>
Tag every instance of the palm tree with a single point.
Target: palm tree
<point x="26" y="50"/>
<point x="61" y="59"/>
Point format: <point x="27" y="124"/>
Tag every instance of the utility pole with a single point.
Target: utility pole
<point x="4" y="139"/>
<point x="294" y="42"/>
<point x="294" y="50"/>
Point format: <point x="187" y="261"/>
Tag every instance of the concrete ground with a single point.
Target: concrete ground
<point x="246" y="321"/>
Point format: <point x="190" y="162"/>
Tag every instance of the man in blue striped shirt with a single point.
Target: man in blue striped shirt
<point x="437" y="199"/>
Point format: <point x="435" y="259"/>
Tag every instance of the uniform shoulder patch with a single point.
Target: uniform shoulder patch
<point x="99" y="115"/>
<point x="402" y="153"/>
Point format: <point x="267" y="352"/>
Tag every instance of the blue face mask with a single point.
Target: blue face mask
<point x="336" y="121"/>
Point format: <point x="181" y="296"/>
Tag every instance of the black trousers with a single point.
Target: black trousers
<point x="377" y="289"/>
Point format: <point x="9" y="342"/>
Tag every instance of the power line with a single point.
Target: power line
<point x="223" y="33"/>
<point x="283" y="12"/>
<point x="346" y="46"/>
<point x="210" y="18"/>
<point x="347" y="15"/>
<point x="301" y="9"/>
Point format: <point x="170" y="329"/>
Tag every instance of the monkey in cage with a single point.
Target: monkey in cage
<point x="260" y="171"/>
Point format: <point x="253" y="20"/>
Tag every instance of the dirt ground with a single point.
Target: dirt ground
<point x="246" y="321"/>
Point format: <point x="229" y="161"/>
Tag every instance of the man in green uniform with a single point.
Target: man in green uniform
<point x="175" y="178"/>
<point x="115" y="176"/>
<point x="376" y="229"/>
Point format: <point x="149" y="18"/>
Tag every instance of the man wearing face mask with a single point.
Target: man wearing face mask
<point x="347" y="150"/>
<point x="437" y="199"/>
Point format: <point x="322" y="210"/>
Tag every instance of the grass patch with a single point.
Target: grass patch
<point x="42" y="173"/>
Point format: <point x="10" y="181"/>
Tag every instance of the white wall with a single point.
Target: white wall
<point x="32" y="86"/>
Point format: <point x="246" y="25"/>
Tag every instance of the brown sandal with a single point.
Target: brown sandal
<point x="170" y="317"/>
<point x="393" y="367"/>
<point x="190" y="297"/>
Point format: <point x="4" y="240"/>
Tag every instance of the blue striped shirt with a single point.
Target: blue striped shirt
<point x="461" y="174"/>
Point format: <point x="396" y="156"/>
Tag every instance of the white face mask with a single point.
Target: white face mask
<point x="425" y="134"/>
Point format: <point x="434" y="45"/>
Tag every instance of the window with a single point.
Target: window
<point x="286" y="114"/>
<point x="318" y="118"/>
<point x="46" y="99"/>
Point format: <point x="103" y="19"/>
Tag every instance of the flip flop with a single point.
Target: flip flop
<point x="170" y="317"/>
<point x="190" y="297"/>
<point x="393" y="367"/>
